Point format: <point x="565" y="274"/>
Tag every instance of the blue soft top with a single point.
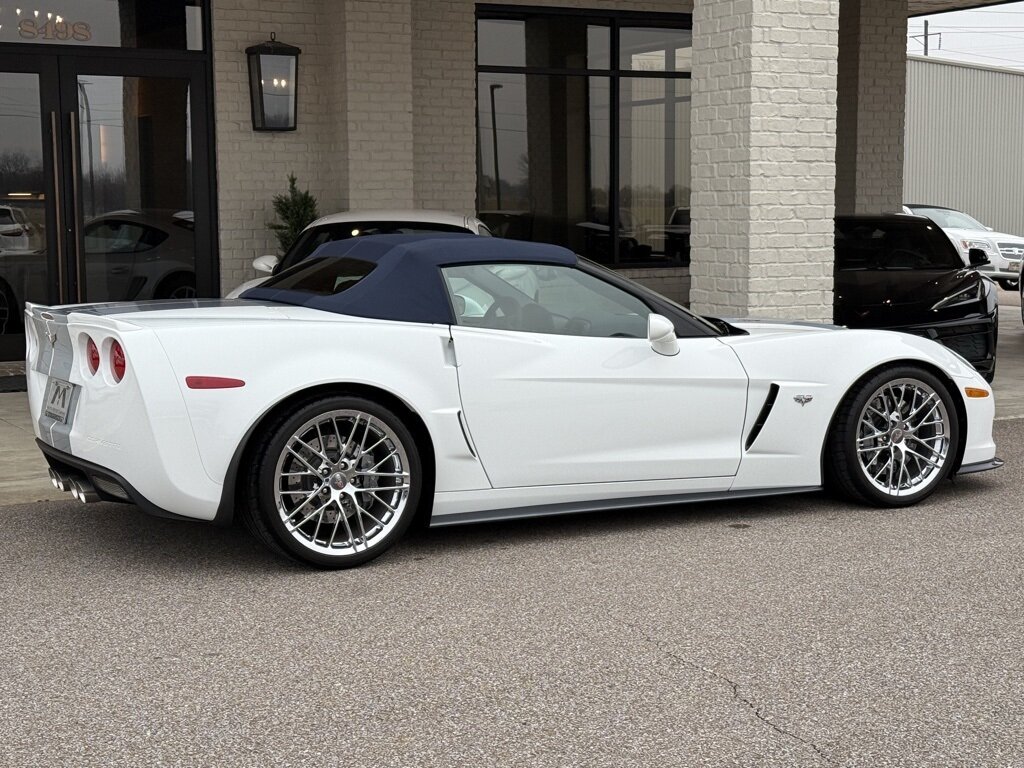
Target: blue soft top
<point x="406" y="284"/>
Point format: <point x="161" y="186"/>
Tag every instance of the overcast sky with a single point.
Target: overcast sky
<point x="992" y="36"/>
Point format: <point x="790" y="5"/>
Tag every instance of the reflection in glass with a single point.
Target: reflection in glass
<point x="23" y="260"/>
<point x="554" y="42"/>
<point x="655" y="49"/>
<point x="547" y="141"/>
<point x="543" y="157"/>
<point x="654" y="169"/>
<point x="168" y="24"/>
<point x="136" y="188"/>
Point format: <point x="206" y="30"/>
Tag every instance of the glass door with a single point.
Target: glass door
<point x="133" y="143"/>
<point x="29" y="139"/>
<point x="100" y="196"/>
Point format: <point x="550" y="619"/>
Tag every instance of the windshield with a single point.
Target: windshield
<point x="314" y="237"/>
<point x="948" y="219"/>
<point x="893" y="244"/>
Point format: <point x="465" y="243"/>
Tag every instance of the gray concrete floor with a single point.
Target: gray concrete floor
<point x="23" y="472"/>
<point x="791" y="631"/>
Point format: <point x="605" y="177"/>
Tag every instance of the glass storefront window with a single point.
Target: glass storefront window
<point x="654" y="169"/>
<point x="169" y="24"/>
<point x="23" y="269"/>
<point x="655" y="49"/>
<point x="543" y="146"/>
<point x="559" y="162"/>
<point x="559" y="42"/>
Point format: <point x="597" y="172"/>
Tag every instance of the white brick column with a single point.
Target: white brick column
<point x="871" y="105"/>
<point x="763" y="126"/>
<point x="377" y="53"/>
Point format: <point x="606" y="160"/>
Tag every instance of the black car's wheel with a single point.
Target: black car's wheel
<point x="335" y="483"/>
<point x="1008" y="285"/>
<point x="894" y="438"/>
<point x="179" y="286"/>
<point x="10" y="312"/>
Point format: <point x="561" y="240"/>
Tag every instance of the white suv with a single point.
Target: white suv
<point x="1005" y="252"/>
<point x="340" y="226"/>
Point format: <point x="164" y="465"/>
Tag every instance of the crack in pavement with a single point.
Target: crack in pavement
<point x="735" y="688"/>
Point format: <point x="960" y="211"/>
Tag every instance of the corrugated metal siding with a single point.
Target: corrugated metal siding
<point x="965" y="141"/>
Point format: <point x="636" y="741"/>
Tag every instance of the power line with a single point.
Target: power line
<point x="1017" y="62"/>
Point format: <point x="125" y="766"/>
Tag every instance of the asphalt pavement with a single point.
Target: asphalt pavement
<point x="795" y="631"/>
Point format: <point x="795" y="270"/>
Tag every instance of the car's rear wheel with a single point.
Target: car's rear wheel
<point x="179" y="286"/>
<point x="894" y="438"/>
<point x="334" y="484"/>
<point x="1008" y="285"/>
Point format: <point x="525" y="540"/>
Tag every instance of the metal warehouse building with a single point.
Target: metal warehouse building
<point x="964" y="140"/>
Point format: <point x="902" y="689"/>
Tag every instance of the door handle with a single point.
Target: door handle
<point x="119" y="271"/>
<point x="76" y="211"/>
<point x="58" y="202"/>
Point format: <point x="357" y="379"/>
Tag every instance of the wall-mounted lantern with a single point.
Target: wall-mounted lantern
<point x="273" y="70"/>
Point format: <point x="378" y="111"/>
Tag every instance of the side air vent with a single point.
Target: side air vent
<point x="762" y="417"/>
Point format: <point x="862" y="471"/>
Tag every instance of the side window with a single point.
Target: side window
<point x="538" y="298"/>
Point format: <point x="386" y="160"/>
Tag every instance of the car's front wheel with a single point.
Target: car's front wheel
<point x="335" y="483"/>
<point x="894" y="438"/>
<point x="1008" y="285"/>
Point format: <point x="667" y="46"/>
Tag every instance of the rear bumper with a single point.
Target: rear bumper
<point x="108" y="484"/>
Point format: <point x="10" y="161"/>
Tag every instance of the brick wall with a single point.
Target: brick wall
<point x="763" y="126"/>
<point x="252" y="167"/>
<point x="872" y="91"/>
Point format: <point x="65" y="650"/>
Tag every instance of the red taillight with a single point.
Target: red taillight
<point x="117" y="361"/>
<point x="93" y="354"/>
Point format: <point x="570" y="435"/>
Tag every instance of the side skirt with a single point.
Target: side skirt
<point x="981" y="466"/>
<point x="576" y="507"/>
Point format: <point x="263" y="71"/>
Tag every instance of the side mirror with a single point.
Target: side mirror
<point x="266" y="263"/>
<point x="990" y="229"/>
<point x="662" y="335"/>
<point x="977" y="257"/>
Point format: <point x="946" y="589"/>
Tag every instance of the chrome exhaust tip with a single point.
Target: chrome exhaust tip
<point x="60" y="481"/>
<point x="83" y="491"/>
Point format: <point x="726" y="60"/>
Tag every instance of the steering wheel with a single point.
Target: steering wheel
<point x="503" y="313"/>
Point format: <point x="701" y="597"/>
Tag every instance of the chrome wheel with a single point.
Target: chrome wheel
<point x="342" y="483"/>
<point x="903" y="437"/>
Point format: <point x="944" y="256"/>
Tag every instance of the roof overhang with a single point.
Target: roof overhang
<point x="924" y="7"/>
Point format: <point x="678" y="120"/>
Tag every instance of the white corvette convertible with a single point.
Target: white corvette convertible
<point x="470" y="379"/>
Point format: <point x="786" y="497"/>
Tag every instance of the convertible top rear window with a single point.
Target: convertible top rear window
<point x="321" y="276"/>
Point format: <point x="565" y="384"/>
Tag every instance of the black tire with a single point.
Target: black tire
<point x="260" y="511"/>
<point x="844" y="472"/>
<point x="178" y="286"/>
<point x="1008" y="285"/>
<point x="10" y="310"/>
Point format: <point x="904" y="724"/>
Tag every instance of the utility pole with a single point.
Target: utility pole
<point x="494" y="140"/>
<point x="926" y="37"/>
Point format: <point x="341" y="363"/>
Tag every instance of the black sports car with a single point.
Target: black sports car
<point x="901" y="273"/>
